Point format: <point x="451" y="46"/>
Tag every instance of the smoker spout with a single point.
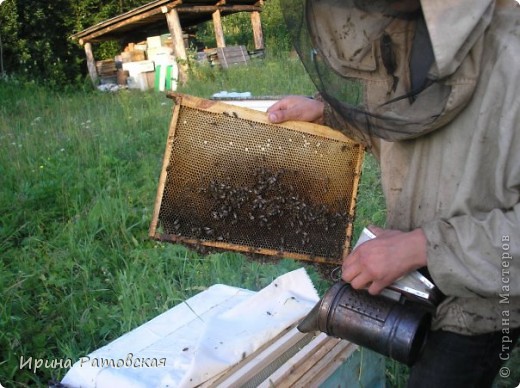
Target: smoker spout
<point x="310" y="322"/>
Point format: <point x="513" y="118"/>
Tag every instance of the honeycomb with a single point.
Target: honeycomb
<point x="234" y="181"/>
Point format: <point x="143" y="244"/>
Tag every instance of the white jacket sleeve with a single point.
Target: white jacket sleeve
<point x="476" y="256"/>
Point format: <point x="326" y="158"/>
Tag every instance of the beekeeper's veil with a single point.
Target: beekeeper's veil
<point x="392" y="69"/>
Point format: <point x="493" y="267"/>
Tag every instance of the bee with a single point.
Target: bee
<point x="230" y="114"/>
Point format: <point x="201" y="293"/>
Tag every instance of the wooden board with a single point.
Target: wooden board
<point x="323" y="362"/>
<point x="232" y="55"/>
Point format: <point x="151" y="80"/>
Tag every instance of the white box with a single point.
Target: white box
<point x="160" y="55"/>
<point x="153" y="41"/>
<point x="135" y="68"/>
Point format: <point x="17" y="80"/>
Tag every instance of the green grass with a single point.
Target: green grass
<point x="78" y="178"/>
<point x="260" y="77"/>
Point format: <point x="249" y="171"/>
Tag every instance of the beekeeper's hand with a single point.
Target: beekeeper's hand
<point x="298" y="108"/>
<point x="379" y="262"/>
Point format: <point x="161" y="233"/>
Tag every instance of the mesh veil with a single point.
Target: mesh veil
<point x="371" y="62"/>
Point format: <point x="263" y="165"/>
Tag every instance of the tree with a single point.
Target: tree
<point x="36" y="36"/>
<point x="8" y="34"/>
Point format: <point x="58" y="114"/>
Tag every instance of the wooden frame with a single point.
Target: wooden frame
<point x="286" y="362"/>
<point x="260" y="117"/>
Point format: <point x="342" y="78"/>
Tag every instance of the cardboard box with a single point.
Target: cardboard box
<point x="135" y="68"/>
<point x="153" y="41"/>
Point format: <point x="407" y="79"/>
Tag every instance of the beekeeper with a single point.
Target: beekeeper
<point x="431" y="88"/>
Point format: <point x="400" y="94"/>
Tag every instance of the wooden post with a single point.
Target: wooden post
<point x="174" y="25"/>
<point x="91" y="63"/>
<point x="257" y="30"/>
<point x="219" y="32"/>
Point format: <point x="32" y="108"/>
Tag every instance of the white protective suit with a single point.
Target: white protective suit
<point x="460" y="182"/>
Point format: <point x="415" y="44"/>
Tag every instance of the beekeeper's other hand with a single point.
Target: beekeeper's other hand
<point x="297" y="108"/>
<point x="379" y="262"/>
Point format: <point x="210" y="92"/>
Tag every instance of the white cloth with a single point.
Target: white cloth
<point x="226" y="94"/>
<point x="200" y="338"/>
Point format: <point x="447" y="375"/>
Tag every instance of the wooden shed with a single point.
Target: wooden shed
<point x="173" y="16"/>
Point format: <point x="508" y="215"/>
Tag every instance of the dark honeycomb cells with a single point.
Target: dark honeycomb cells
<point x="256" y="185"/>
<point x="267" y="214"/>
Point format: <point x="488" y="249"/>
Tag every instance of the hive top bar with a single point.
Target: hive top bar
<point x="224" y="108"/>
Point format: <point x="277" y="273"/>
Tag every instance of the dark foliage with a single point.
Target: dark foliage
<point x="36" y="42"/>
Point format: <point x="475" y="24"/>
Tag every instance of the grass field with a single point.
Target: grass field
<point x="78" y="181"/>
<point x="78" y="177"/>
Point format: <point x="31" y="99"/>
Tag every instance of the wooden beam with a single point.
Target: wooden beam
<point x="219" y="32"/>
<point x="166" y="8"/>
<point x="325" y="365"/>
<point x="120" y="24"/>
<point x="146" y="12"/>
<point x="258" y="36"/>
<point x="117" y="20"/>
<point x="224" y="9"/>
<point x="251" y="367"/>
<point x="91" y="63"/>
<point x="300" y="364"/>
<point x="179" y="49"/>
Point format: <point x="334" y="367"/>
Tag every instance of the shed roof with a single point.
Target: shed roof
<point x="149" y="19"/>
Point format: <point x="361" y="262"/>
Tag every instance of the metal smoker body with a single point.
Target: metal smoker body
<point x="392" y="328"/>
<point x="395" y="323"/>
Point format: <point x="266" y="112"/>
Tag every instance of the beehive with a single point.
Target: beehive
<point x="232" y="180"/>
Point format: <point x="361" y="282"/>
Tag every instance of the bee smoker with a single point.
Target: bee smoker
<point x="395" y="323"/>
<point x="389" y="327"/>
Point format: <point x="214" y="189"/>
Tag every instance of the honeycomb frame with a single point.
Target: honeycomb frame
<point x="231" y="180"/>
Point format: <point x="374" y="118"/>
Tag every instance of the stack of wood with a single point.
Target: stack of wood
<point x="106" y="70"/>
<point x="227" y="56"/>
<point x="134" y="52"/>
<point x="232" y="55"/>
